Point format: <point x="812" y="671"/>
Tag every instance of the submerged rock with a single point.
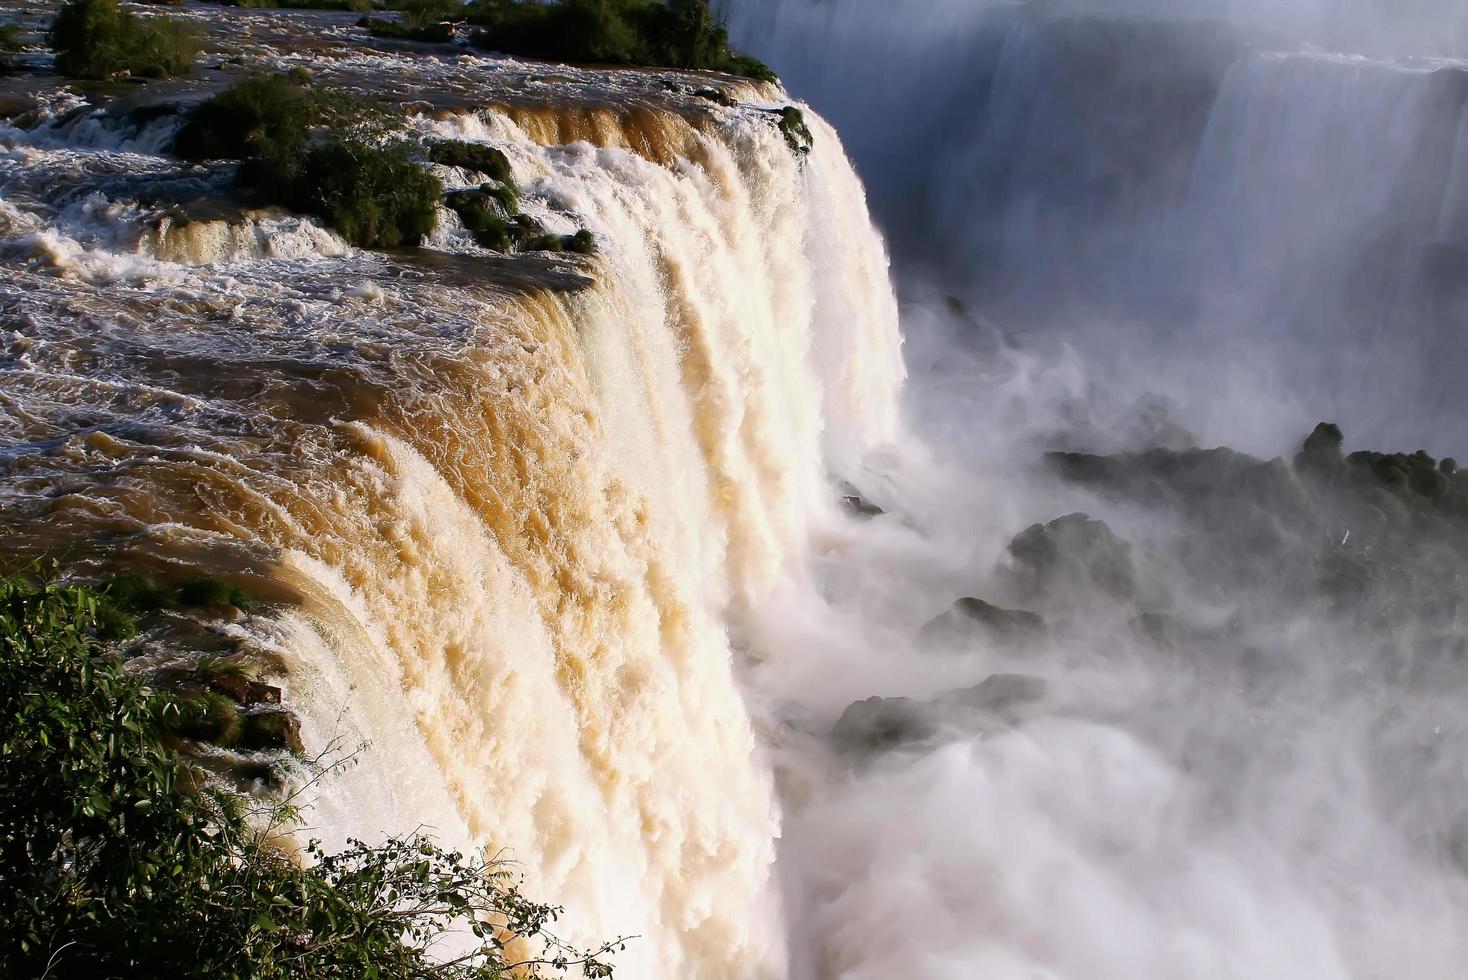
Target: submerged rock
<point x="244" y="690"/>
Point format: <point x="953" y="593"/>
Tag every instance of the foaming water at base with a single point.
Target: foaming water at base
<point x="1199" y="778"/>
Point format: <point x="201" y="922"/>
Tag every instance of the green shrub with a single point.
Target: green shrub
<point x="793" y="128"/>
<point x="478" y="157"/>
<point x="99" y="39"/>
<point x="489" y="227"/>
<point x="356" y="6"/>
<point x="675" y="34"/>
<point x="120" y="859"/>
<point x="392" y="30"/>
<point x="369" y="189"/>
<point x="582" y="243"/>
<point x="376" y="195"/>
<point x="543" y="243"/>
<point x="264" y="121"/>
<point x="12" y="42"/>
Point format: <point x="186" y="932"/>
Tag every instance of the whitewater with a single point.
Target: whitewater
<point x="586" y="560"/>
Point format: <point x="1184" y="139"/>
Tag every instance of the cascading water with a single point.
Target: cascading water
<point x="557" y="538"/>
<point x="1237" y="764"/>
<point x="511" y="507"/>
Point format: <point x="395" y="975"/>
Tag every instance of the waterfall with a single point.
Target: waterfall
<point x="514" y="511"/>
<point x="1283" y="190"/>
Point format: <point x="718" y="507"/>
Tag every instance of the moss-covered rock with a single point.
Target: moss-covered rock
<point x="483" y="216"/>
<point x="477" y="157"/>
<point x="797" y="135"/>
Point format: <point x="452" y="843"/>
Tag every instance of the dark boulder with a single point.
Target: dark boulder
<point x="1073" y="550"/>
<point x="969" y="615"/>
<point x="1001" y="694"/>
<point x="882" y="724"/>
<point x="271" y="730"/>
<point x="244" y="690"/>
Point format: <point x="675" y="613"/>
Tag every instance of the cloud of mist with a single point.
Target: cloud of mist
<point x="1166" y="185"/>
<point x="1230" y="772"/>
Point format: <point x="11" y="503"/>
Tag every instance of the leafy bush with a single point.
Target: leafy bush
<point x="122" y="860"/>
<point x="263" y="121"/>
<point x="12" y="42"/>
<point x="675" y="34"/>
<point x="490" y="227"/>
<point x="477" y="157"/>
<point x="376" y="195"/>
<point x="99" y="39"/>
<point x="439" y="33"/>
<point x="370" y="189"/>
<point x="582" y="243"/>
<point x="793" y="128"/>
<point x="356" y="6"/>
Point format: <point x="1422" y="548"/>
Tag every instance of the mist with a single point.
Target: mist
<point x="1092" y="698"/>
<point x="1273" y="190"/>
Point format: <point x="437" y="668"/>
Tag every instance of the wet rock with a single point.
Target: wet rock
<point x="1074" y="550"/>
<point x="1001" y="693"/>
<point x="968" y="615"/>
<point x="856" y="504"/>
<point x="271" y="729"/>
<point x="882" y="724"/>
<point x="244" y="690"/>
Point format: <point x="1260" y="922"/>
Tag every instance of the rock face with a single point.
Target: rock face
<point x="969" y="616"/>
<point x="857" y="505"/>
<point x="244" y="690"/>
<point x="271" y="729"/>
<point x="881" y="724"/>
<point x="1001" y="694"/>
<point x="1073" y="551"/>
<point x="876" y="725"/>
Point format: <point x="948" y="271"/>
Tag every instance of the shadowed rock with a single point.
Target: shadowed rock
<point x="881" y="724"/>
<point x="876" y="725"/>
<point x="969" y="615"/>
<point x="1073" y="550"/>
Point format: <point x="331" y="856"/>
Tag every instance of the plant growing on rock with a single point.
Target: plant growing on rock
<point x="675" y="34"/>
<point x="793" y="128"/>
<point x="99" y="39"/>
<point x="319" y="151"/>
<point x="121" y="858"/>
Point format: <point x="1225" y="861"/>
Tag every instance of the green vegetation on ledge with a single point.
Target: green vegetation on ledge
<point x="122" y="859"/>
<point x="675" y="34"/>
<point x="357" y="6"/>
<point x="440" y="33"/>
<point x="793" y="128"/>
<point x="365" y="185"/>
<point x="98" y="39"/>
